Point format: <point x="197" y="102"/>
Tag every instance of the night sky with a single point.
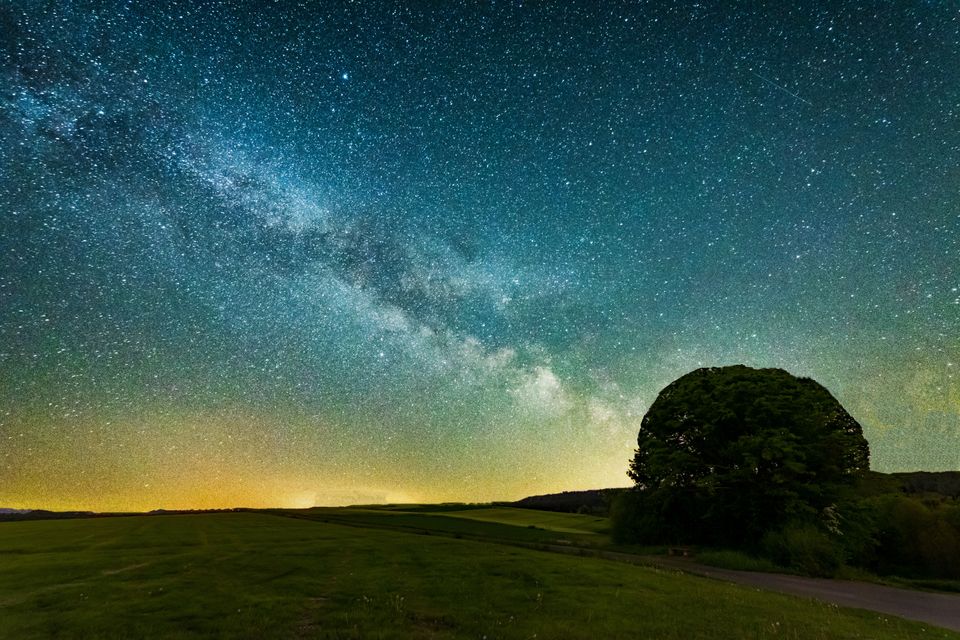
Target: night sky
<point x="272" y="254"/>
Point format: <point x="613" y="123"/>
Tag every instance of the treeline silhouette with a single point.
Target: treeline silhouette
<point x="43" y="514"/>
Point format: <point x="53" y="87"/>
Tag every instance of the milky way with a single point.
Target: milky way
<point x="273" y="254"/>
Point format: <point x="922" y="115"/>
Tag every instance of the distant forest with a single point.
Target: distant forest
<point x="598" y="501"/>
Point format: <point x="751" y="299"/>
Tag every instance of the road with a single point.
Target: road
<point x="939" y="609"/>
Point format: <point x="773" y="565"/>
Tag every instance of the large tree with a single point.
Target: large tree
<point x="725" y="454"/>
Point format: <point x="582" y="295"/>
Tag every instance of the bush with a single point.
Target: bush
<point x="856" y="532"/>
<point x="951" y="514"/>
<point x="654" y="517"/>
<point x="631" y="521"/>
<point x="804" y="548"/>
<point x="738" y="560"/>
<point x="939" y="550"/>
<point x="900" y="521"/>
<point x="912" y="536"/>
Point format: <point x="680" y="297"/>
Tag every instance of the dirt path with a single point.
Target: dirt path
<point x="940" y="609"/>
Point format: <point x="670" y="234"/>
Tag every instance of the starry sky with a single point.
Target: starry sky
<point x="279" y="254"/>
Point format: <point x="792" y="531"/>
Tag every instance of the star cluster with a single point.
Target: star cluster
<point x="324" y="253"/>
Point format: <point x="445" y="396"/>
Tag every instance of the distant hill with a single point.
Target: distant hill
<point x="943" y="482"/>
<point x="593" y="501"/>
<point x="597" y="501"/>
<point x="7" y="515"/>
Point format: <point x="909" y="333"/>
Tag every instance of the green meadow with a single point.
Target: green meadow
<point x="550" y="521"/>
<point x="374" y="573"/>
<point x="500" y="524"/>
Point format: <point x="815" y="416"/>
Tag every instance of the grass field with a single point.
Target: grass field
<point x="522" y="529"/>
<point x="549" y="520"/>
<point x="255" y="575"/>
<point x="559" y="522"/>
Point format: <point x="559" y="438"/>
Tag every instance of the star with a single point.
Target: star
<point x="244" y="259"/>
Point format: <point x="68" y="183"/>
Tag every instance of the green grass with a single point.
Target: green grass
<point x="254" y="575"/>
<point x="456" y="524"/>
<point x="932" y="584"/>
<point x="943" y="585"/>
<point x="549" y="520"/>
<point x="730" y="559"/>
<point x="424" y="508"/>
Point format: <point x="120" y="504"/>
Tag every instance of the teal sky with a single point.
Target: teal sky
<point x="375" y="252"/>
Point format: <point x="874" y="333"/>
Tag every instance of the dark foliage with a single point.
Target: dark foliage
<point x="592" y="501"/>
<point x="727" y="454"/>
<point x="913" y="536"/>
<point x="804" y="547"/>
<point x="943" y="482"/>
<point x="42" y="514"/>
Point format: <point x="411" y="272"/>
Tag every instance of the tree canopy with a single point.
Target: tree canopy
<point x="725" y="454"/>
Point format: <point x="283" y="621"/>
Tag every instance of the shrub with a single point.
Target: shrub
<point x="916" y="536"/>
<point x="738" y="560"/>
<point x="654" y="517"/>
<point x="900" y="520"/>
<point x="939" y="550"/>
<point x="805" y="548"/>
<point x="856" y="532"/>
<point x="630" y="521"/>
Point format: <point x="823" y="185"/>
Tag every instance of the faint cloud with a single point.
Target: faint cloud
<point x="360" y="496"/>
<point x="540" y="391"/>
